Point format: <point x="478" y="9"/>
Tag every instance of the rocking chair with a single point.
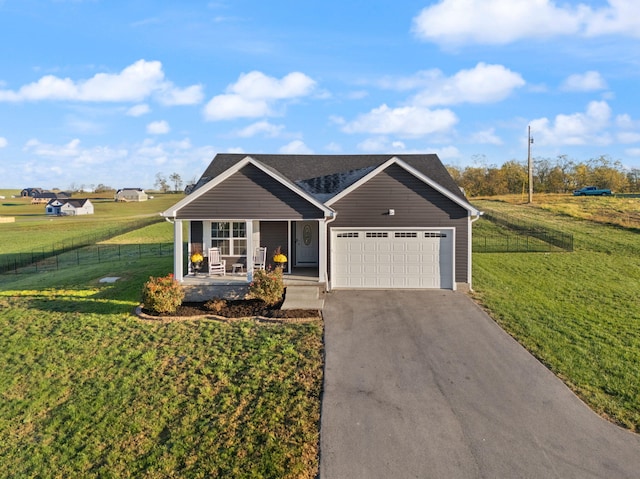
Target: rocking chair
<point x="216" y="264"/>
<point x="260" y="258"/>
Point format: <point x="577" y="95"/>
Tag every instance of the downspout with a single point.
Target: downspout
<point x="328" y="239"/>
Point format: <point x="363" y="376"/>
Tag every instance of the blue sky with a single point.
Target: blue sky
<point x="114" y="92"/>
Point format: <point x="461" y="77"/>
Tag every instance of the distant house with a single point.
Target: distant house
<point x="46" y="196"/>
<point x="131" y="194"/>
<point x="68" y="207"/>
<point x="31" y="192"/>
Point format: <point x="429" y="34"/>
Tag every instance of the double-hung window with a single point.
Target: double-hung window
<point x="230" y="237"/>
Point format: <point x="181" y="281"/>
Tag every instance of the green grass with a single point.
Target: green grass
<point x="579" y="312"/>
<point x="35" y="232"/>
<point x="89" y="390"/>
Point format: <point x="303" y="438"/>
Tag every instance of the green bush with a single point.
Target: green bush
<point x="163" y="294"/>
<point x="267" y="285"/>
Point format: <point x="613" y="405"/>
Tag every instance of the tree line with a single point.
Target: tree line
<point x="559" y="175"/>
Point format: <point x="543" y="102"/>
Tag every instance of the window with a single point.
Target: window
<point x="230" y="237"/>
<point x="376" y="235"/>
<point x="403" y="234"/>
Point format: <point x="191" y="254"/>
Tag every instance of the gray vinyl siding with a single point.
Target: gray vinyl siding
<point x="415" y="204"/>
<point x="272" y="235"/>
<point x="250" y="193"/>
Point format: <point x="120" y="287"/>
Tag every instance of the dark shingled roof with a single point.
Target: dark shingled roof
<point x="320" y="173"/>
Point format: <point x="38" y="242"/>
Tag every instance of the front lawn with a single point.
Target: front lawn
<point x="88" y="390"/>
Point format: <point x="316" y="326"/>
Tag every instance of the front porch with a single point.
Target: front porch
<point x="202" y="287"/>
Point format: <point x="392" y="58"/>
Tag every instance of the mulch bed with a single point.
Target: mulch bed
<point x="240" y="308"/>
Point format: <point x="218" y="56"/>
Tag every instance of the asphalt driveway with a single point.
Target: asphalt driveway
<point x="423" y="384"/>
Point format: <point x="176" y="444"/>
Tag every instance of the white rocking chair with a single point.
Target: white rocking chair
<point x="216" y="264"/>
<point x="260" y="258"/>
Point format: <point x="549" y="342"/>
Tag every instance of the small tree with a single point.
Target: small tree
<point x="177" y="181"/>
<point x="161" y="183"/>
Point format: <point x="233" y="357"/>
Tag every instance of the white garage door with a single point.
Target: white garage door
<point x="380" y="258"/>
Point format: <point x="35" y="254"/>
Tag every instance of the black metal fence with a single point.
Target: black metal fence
<point x="94" y="254"/>
<point x="84" y="250"/>
<point x="520" y="236"/>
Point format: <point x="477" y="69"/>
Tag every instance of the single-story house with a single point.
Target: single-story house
<point x="32" y="191"/>
<point x="131" y="194"/>
<point x="47" y="196"/>
<point x="67" y="207"/>
<point x="361" y="221"/>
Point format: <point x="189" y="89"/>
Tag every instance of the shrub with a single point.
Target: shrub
<point x="163" y="294"/>
<point x="215" y="304"/>
<point x="267" y="285"/>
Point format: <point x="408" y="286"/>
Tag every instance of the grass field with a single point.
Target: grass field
<point x="35" y="231"/>
<point x="88" y="390"/>
<point x="579" y="312"/>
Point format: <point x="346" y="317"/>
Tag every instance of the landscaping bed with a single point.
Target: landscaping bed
<point x="240" y="308"/>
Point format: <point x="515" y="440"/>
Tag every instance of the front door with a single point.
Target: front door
<point x="306" y="243"/>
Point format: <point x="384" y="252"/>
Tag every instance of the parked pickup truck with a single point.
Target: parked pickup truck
<point x="592" y="191"/>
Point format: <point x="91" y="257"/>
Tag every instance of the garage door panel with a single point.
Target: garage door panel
<point x="392" y="259"/>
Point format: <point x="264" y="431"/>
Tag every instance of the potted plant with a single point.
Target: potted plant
<point x="279" y="258"/>
<point x="196" y="262"/>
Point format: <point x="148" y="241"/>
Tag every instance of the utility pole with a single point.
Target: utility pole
<point x="529" y="143"/>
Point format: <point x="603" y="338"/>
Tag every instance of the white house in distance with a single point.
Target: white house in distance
<point x="131" y="194"/>
<point x="68" y="207"/>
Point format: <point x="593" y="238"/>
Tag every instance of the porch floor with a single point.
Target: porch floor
<point x="235" y="286"/>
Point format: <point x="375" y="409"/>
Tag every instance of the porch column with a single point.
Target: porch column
<point x="250" y="248"/>
<point x="177" y="250"/>
<point x="322" y="251"/>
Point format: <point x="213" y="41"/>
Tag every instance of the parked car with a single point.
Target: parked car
<point x="592" y="191"/>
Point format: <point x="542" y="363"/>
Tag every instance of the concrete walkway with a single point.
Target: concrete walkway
<point x="425" y="385"/>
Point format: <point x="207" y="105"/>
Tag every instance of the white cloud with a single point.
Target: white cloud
<point x="581" y="82"/>
<point x="446" y="153"/>
<point x="633" y="152"/>
<point x="482" y="84"/>
<point x="35" y="147"/>
<point x="134" y="83"/>
<point x="171" y="96"/>
<point x="333" y="147"/>
<point x="74" y="154"/>
<point x="158" y="128"/>
<point x="619" y="17"/>
<point x="409" y="121"/>
<point x="494" y="22"/>
<point x="486" y="137"/>
<point x="374" y="145"/>
<point x="575" y="129"/>
<point x="254" y="95"/>
<point x="625" y="121"/>
<point x="262" y="127"/>
<point x="498" y="22"/>
<point x="3" y="142"/>
<point x="383" y="144"/>
<point x="296" y="147"/>
<point x="138" y="110"/>
<point x="628" y="137"/>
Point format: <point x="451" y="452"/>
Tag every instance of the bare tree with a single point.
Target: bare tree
<point x="161" y="183"/>
<point x="177" y="181"/>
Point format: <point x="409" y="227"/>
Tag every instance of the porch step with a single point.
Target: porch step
<point x="303" y="297"/>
